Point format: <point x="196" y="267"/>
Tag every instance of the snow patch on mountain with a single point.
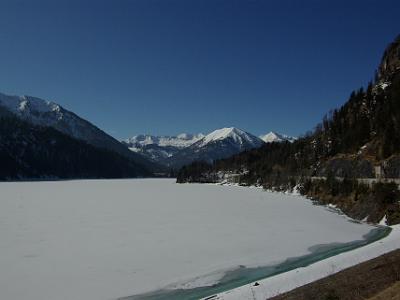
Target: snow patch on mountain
<point x="30" y="107"/>
<point x="180" y="141"/>
<point x="276" y="137"/>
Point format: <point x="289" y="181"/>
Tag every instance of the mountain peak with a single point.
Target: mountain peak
<point x="26" y="105"/>
<point x="276" y="137"/>
<point x="239" y="136"/>
<point x="184" y="148"/>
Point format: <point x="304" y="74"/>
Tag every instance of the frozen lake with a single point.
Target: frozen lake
<point x="105" y="239"/>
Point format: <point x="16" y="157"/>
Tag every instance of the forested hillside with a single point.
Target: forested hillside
<point x="361" y="139"/>
<point x="34" y="152"/>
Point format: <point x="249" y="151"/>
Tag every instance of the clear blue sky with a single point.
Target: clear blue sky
<point x="169" y="66"/>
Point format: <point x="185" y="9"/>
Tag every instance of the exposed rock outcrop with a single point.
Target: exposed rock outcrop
<point x="390" y="60"/>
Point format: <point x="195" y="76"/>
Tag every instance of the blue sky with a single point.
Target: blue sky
<point x="172" y="66"/>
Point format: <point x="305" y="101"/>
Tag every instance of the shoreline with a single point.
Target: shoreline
<point x="375" y="279"/>
<point x="296" y="278"/>
<point x="242" y="276"/>
<point x="279" y="285"/>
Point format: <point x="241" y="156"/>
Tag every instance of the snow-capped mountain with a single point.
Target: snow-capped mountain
<point x="47" y="113"/>
<point x="218" y="144"/>
<point x="238" y="138"/>
<point x="176" y="151"/>
<point x="276" y="137"/>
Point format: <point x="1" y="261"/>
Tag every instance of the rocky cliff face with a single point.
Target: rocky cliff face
<point x="391" y="167"/>
<point x="390" y="60"/>
<point x="346" y="167"/>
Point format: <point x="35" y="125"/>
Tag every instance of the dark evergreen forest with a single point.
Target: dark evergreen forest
<point x="35" y="152"/>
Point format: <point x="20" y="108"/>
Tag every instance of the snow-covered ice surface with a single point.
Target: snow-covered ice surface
<point x="104" y="239"/>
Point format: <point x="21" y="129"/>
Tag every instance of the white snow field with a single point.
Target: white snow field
<point x="104" y="239"/>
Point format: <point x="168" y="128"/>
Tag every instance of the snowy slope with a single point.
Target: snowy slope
<point x="276" y="137"/>
<point x="32" y="109"/>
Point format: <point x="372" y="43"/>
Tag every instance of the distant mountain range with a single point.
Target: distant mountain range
<point x="33" y="150"/>
<point x="143" y="154"/>
<point x="176" y="151"/>
<point x="160" y="148"/>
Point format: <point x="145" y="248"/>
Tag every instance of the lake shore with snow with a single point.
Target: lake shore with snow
<point x="279" y="284"/>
